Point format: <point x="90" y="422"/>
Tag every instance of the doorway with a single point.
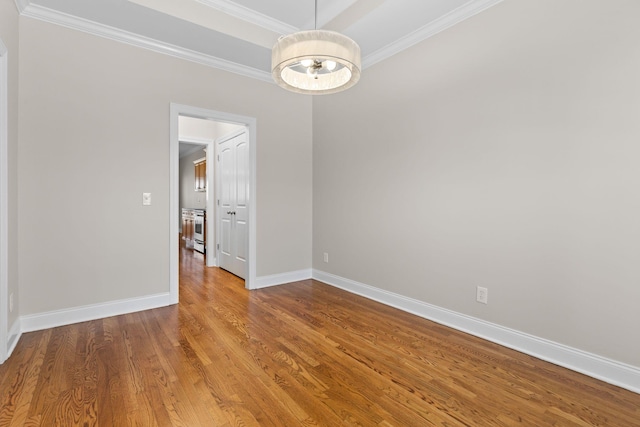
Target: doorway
<point x="195" y="137"/>
<point x="249" y="124"/>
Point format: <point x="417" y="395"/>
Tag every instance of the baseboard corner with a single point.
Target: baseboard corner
<point x="15" y="333"/>
<point x="282" y="278"/>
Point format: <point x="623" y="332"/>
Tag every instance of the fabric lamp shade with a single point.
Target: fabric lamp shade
<point x="316" y="62"/>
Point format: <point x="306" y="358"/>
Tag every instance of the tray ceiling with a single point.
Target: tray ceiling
<point x="238" y="35"/>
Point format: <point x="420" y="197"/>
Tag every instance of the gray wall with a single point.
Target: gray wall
<point x="94" y="135"/>
<point x="189" y="197"/>
<point x="502" y="152"/>
<point x="9" y="34"/>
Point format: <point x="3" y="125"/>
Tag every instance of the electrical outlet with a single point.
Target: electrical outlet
<point x="326" y="257"/>
<point x="10" y="302"/>
<point x="482" y="295"/>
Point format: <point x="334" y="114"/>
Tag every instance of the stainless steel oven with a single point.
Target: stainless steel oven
<point x="199" y="231"/>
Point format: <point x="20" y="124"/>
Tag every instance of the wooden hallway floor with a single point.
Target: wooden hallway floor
<point x="302" y="354"/>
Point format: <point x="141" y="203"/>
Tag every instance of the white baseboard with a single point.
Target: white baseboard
<point x="14" y="336"/>
<point x="280" y="279"/>
<point x="52" y="319"/>
<point x="607" y="370"/>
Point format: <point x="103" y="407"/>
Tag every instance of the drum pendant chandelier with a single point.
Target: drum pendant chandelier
<point x="315" y="62"/>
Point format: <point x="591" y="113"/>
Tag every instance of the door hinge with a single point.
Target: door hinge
<point x="218" y="202"/>
<point x="218" y="157"/>
<point x="218" y="246"/>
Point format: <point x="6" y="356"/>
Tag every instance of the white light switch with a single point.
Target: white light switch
<point x="146" y="199"/>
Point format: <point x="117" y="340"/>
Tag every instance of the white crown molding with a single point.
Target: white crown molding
<point x="607" y="370"/>
<point x="194" y="140"/>
<point x="52" y="16"/>
<point x="454" y="17"/>
<point x="80" y="24"/>
<point x="53" y="319"/>
<point x="21" y="5"/>
<point x="256" y="18"/>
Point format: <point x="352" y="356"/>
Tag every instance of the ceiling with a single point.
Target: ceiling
<point x="186" y="148"/>
<point x="238" y="35"/>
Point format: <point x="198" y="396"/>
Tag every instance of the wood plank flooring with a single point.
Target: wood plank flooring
<point x="303" y="354"/>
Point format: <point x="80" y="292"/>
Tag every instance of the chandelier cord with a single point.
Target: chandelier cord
<point x="315" y="17"/>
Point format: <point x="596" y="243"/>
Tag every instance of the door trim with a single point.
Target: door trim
<point x="176" y="110"/>
<point x="4" y="203"/>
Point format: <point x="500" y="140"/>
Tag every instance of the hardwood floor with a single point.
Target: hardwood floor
<point x="303" y="354"/>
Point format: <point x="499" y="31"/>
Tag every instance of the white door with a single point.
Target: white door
<point x="233" y="162"/>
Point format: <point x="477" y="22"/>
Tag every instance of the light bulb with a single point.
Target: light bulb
<point x="307" y="62"/>
<point x="312" y="72"/>
<point x="330" y="65"/>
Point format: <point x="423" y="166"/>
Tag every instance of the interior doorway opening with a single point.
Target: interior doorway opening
<point x="198" y="184"/>
<point x="184" y="122"/>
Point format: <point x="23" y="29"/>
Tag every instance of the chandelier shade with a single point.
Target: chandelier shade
<point x="316" y="62"/>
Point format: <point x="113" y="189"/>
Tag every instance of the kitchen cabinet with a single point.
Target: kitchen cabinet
<point x="200" y="166"/>
<point x="194" y="229"/>
<point x="188" y="219"/>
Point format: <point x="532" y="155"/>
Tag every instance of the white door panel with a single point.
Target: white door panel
<point x="234" y="203"/>
<point x="242" y="182"/>
<point x="225" y="238"/>
<point x="241" y="235"/>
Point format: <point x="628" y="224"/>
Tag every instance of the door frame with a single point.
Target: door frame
<point x="4" y="203"/>
<point x="176" y="110"/>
